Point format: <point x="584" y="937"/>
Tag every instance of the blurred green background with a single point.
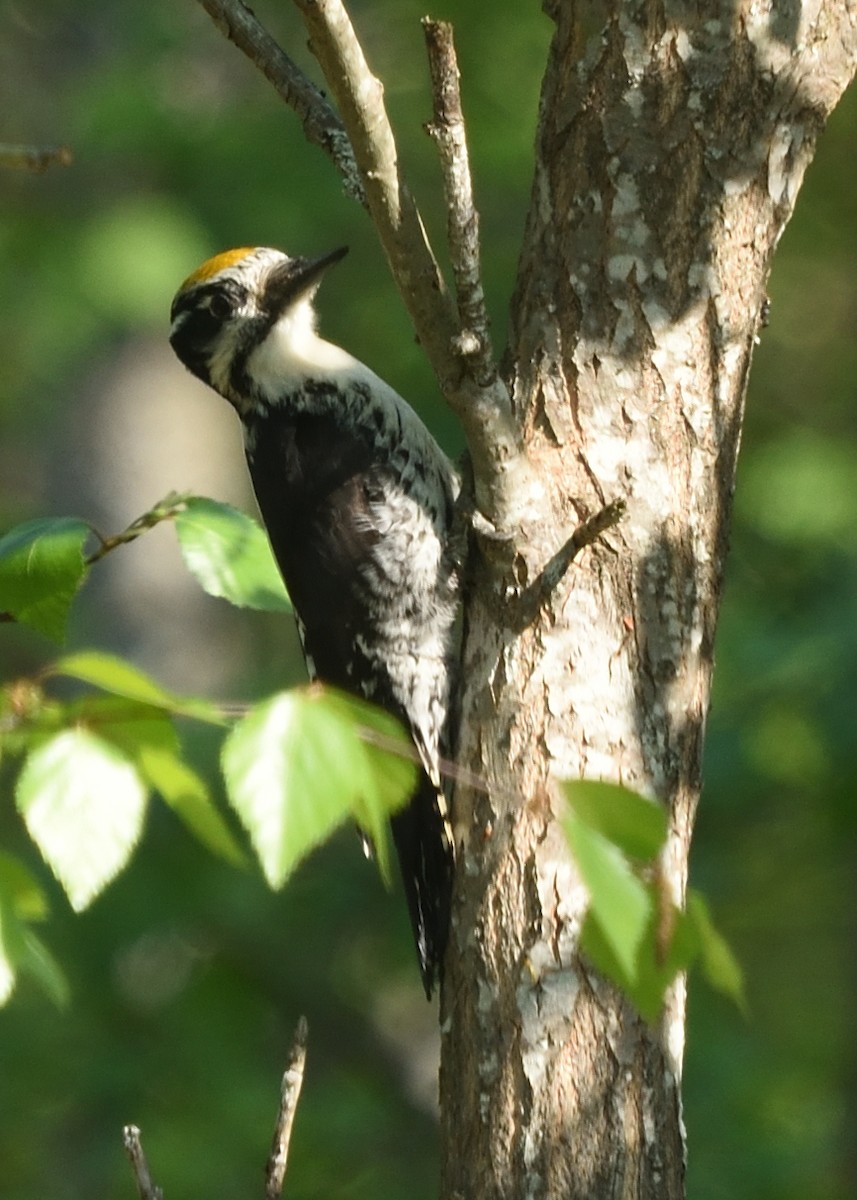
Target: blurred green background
<point x="188" y="976"/>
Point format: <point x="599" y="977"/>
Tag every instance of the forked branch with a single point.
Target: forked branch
<point x="458" y="352"/>
<point x="454" y="337"/>
<point x="360" y="97"/>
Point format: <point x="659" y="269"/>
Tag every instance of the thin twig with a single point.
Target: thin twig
<point x="321" y="123"/>
<point x="34" y="158"/>
<point x="540" y="591"/>
<point x="448" y="132"/>
<point x="364" y="136"/>
<point x="164" y="510"/>
<point x="360" y="97"/>
<point x="290" y="1091"/>
<point x="134" y="1149"/>
<point x="484" y="411"/>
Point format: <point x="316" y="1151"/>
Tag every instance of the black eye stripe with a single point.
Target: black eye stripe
<point x="219" y="299"/>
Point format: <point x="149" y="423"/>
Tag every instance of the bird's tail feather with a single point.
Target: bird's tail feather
<point x="420" y="833"/>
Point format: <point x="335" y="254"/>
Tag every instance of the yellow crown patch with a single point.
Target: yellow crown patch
<point x="212" y="266"/>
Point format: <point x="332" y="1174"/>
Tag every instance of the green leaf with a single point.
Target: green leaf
<point x="22" y="889"/>
<point x="113" y="675"/>
<point x="187" y="795"/>
<point x="38" y="962"/>
<point x="618" y="901"/>
<point x="636" y="825"/>
<point x="129" y="725"/>
<point x="148" y="737"/>
<point x="719" y="964"/>
<point x="83" y="803"/>
<point x="21" y="951"/>
<point x="693" y="937"/>
<point x="288" y="773"/>
<point x="228" y="553"/>
<point x="123" y="679"/>
<point x="41" y="570"/>
<point x="391" y="770"/>
<point x="296" y="768"/>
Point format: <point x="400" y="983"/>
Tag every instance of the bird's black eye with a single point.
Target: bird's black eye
<point x="221" y="306"/>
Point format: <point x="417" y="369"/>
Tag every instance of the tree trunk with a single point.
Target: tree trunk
<point x="671" y="145"/>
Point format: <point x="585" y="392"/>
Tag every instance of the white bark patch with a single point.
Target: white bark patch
<point x="578" y="674"/>
<point x="636" y="49"/>
<point x="682" y="45"/>
<point x="631" y="235"/>
<point x="674" y="1025"/>
<point x="773" y="51"/>
<point x="784" y="179"/>
<point x="676" y="356"/>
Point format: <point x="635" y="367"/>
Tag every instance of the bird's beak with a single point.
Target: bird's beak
<point x="295" y="277"/>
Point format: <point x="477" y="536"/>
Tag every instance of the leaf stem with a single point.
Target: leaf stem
<point x="164" y="510"/>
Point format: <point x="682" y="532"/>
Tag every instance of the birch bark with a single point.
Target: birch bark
<point x="672" y="142"/>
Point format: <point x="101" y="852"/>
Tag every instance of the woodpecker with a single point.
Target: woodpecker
<point x="357" y="498"/>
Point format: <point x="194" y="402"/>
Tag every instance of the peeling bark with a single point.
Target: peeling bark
<point x="671" y="146"/>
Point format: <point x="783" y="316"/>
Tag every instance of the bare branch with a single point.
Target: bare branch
<point x="290" y="1091"/>
<point x="321" y="123"/>
<point x="146" y="1189"/>
<point x="364" y="136"/>
<point x="448" y="132"/>
<point x="360" y="97"/>
<point x="484" y="411"/>
<point x="34" y="158"/>
<point x="165" y="510"/>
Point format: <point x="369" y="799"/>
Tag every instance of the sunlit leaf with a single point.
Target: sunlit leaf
<point x="229" y="555"/>
<point x="121" y="678"/>
<point x="22" y="952"/>
<point x="693" y="939"/>
<point x="41" y="570"/>
<point x="130" y="725"/>
<point x="721" y="968"/>
<point x="618" y="900"/>
<point x="288" y="772"/>
<point x="391" y="767"/>
<point x="636" y="825"/>
<point x="188" y="796"/>
<point x="296" y="768"/>
<point x="37" y="961"/>
<point x="83" y="804"/>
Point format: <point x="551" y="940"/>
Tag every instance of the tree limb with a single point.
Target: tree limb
<point x="448" y="132"/>
<point x="364" y="136"/>
<point x="360" y="97"/>
<point x="540" y="592"/>
<point x="321" y="123"/>
<point x="482" y="406"/>
<point x="165" y="510"/>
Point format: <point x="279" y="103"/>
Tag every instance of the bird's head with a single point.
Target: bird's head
<point x="229" y="306"/>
